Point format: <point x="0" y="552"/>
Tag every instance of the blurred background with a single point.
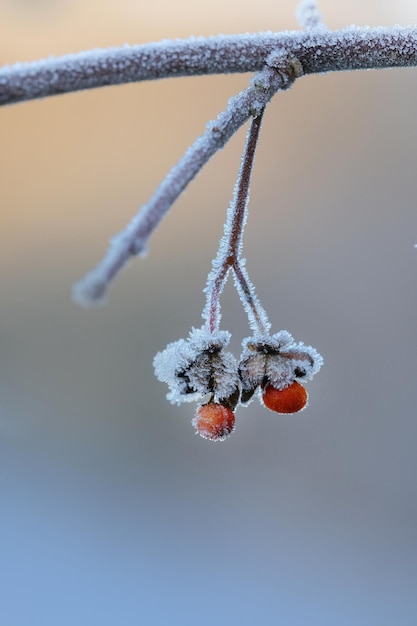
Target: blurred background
<point x="112" y="511"/>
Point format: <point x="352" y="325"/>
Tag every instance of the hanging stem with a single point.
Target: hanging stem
<point x="258" y="318"/>
<point x="230" y="247"/>
<point x="236" y="218"/>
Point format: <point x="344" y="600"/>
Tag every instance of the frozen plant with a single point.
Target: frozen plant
<point x="198" y="366"/>
<point x="199" y="369"/>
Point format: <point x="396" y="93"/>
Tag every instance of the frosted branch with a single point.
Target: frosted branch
<point x="309" y="16"/>
<point x="280" y="72"/>
<point x="318" y="50"/>
<point x="277" y="59"/>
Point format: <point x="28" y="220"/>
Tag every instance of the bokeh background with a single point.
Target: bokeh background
<point x="111" y="510"/>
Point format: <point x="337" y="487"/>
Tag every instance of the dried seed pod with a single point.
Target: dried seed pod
<point x="198" y="366"/>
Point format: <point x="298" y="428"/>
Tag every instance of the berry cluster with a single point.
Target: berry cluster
<point x="200" y="369"/>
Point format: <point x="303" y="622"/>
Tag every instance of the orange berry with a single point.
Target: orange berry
<point x="289" y="400"/>
<point x="214" y="421"/>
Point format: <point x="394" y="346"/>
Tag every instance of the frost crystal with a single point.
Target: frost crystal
<point x="199" y="366"/>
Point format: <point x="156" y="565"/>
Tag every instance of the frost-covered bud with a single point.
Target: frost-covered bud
<point x="198" y="366"/>
<point x="275" y="360"/>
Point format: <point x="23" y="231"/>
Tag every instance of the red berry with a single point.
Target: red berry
<point x="214" y="421"/>
<point x="288" y="400"/>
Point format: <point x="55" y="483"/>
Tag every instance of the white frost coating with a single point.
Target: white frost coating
<point x="210" y="288"/>
<point x="318" y="49"/>
<point x="257" y="317"/>
<point x="276" y="360"/>
<point x="306" y="358"/>
<point x="198" y="366"/>
<point x="199" y="55"/>
<point x="230" y="246"/>
<point x="133" y="239"/>
<point x="346" y="49"/>
<point x="168" y="364"/>
<point x="216" y="280"/>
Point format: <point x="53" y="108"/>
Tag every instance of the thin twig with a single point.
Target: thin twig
<point x="278" y="58"/>
<point x="319" y="51"/>
<point x="279" y="74"/>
